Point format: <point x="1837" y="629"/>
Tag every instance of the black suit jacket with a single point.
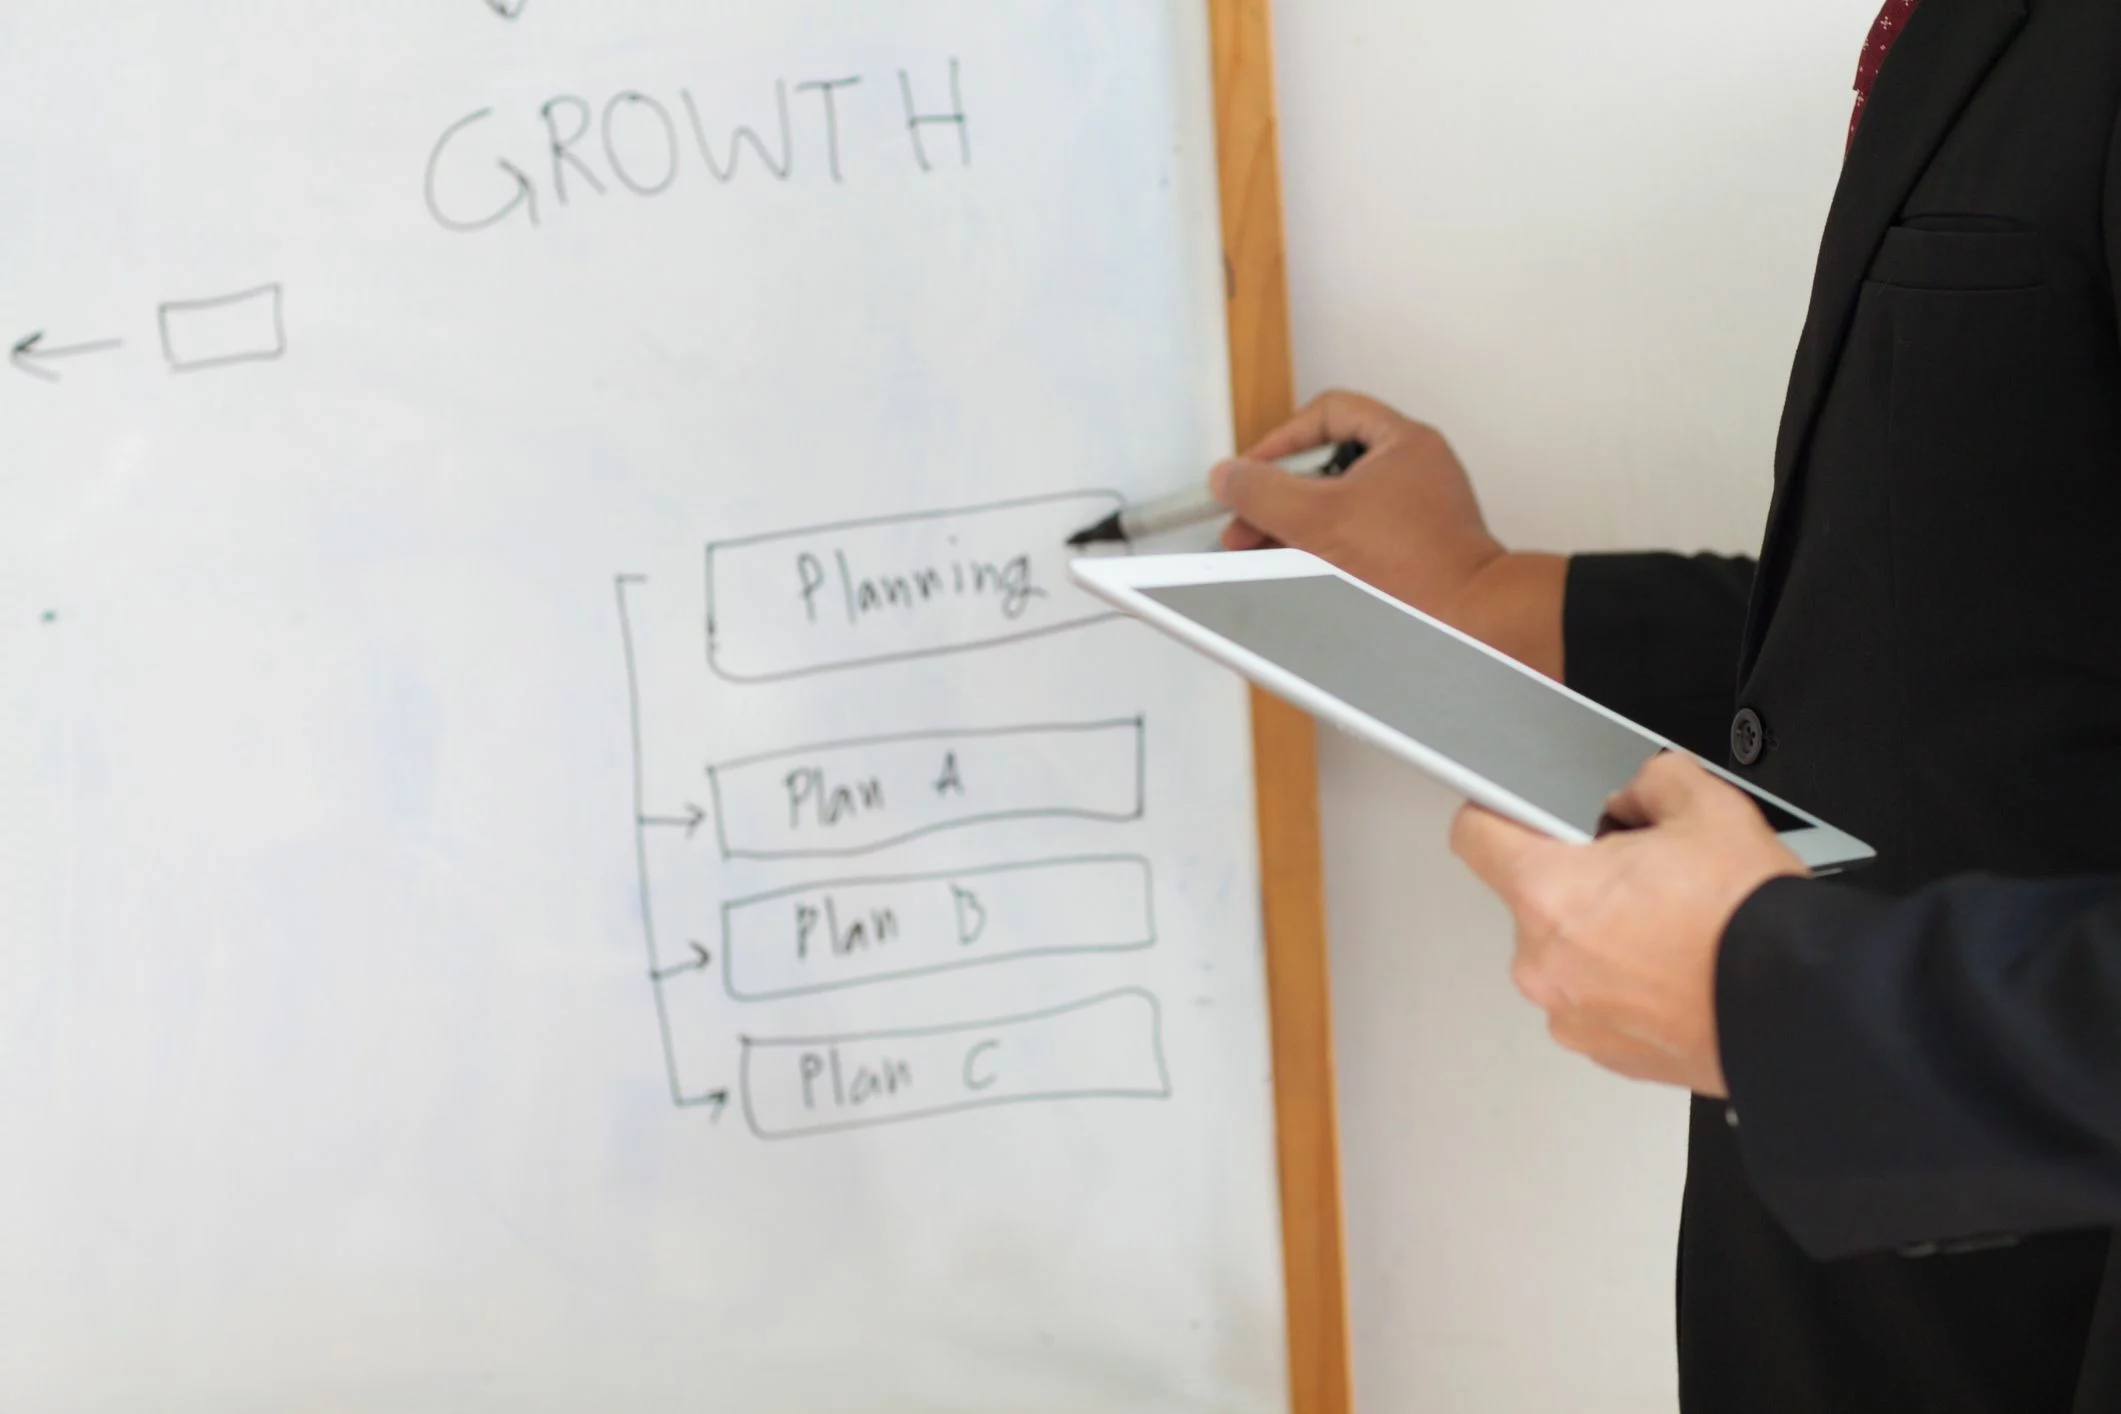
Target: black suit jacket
<point x="1926" y="1057"/>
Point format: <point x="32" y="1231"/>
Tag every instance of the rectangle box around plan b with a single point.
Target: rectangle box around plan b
<point x="855" y="932"/>
<point x="1108" y="1047"/>
<point x="853" y="797"/>
<point x="878" y="591"/>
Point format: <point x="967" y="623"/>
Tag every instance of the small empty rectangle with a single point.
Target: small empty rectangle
<point x="851" y="932"/>
<point x="245" y="327"/>
<point x="878" y="591"/>
<point x="1108" y="1047"/>
<point x="851" y="797"/>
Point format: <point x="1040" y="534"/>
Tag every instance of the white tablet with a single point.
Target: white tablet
<point x="1479" y="721"/>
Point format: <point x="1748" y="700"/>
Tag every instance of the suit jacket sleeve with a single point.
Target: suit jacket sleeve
<point x="1656" y="637"/>
<point x="1932" y="1069"/>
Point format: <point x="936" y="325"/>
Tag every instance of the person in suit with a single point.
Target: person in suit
<point x="1907" y="1202"/>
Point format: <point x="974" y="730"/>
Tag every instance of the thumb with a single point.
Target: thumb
<point x="1283" y="505"/>
<point x="1666" y="788"/>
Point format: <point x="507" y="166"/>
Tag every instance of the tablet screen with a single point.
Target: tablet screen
<point x="1512" y="728"/>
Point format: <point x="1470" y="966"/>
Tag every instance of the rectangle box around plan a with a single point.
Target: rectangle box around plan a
<point x="852" y="797"/>
<point x="1108" y="1047"/>
<point x="877" y="591"/>
<point x="854" y="932"/>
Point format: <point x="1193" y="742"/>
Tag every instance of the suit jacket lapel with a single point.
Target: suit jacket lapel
<point x="1948" y="48"/>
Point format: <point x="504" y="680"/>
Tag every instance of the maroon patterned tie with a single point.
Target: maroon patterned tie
<point x="1884" y="35"/>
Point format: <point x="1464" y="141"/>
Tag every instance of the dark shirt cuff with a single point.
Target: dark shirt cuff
<point x="1655" y="638"/>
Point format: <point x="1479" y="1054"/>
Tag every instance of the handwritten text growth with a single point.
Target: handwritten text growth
<point x="487" y="169"/>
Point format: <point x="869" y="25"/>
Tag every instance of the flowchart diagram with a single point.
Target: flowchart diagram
<point x="819" y="604"/>
<point x="810" y="610"/>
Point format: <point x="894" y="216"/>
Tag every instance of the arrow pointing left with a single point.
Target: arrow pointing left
<point x="30" y="354"/>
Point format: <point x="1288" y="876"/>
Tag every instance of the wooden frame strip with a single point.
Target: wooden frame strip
<point x="1284" y="744"/>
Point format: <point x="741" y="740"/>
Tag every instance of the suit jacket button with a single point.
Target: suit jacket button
<point x="1748" y="737"/>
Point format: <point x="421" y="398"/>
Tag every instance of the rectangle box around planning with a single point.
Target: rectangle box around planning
<point x="851" y="797"/>
<point x="849" y="933"/>
<point x="912" y="586"/>
<point x="1109" y="1047"/>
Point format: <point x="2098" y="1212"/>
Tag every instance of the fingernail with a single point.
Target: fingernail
<point x="1219" y="480"/>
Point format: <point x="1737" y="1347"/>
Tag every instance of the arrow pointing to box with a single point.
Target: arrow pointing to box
<point x="689" y="822"/>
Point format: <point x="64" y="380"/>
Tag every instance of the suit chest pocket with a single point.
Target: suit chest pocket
<point x="1962" y="307"/>
<point x="1963" y="254"/>
<point x="1963" y="310"/>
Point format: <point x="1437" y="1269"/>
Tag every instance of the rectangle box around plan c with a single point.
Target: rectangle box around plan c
<point x="1108" y="1047"/>
<point x="852" y="797"/>
<point x="866" y="592"/>
<point x="850" y="933"/>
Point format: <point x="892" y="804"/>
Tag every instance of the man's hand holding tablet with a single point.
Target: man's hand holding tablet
<point x="1617" y="941"/>
<point x="1617" y="930"/>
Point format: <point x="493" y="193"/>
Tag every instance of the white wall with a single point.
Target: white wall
<point x="1578" y="237"/>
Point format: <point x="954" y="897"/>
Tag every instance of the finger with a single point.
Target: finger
<point x="1332" y="417"/>
<point x="1242" y="535"/>
<point x="1499" y="851"/>
<point x="1277" y="505"/>
<point x="1670" y="785"/>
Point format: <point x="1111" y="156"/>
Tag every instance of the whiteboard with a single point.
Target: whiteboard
<point x="564" y="842"/>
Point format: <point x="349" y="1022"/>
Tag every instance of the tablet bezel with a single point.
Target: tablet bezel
<point x="1120" y="580"/>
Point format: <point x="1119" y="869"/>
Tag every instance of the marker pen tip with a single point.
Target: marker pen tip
<point x="1105" y="530"/>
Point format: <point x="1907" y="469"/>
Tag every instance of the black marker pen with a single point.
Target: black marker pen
<point x="1193" y="507"/>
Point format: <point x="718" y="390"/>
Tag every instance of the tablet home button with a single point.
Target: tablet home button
<point x="1748" y="736"/>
